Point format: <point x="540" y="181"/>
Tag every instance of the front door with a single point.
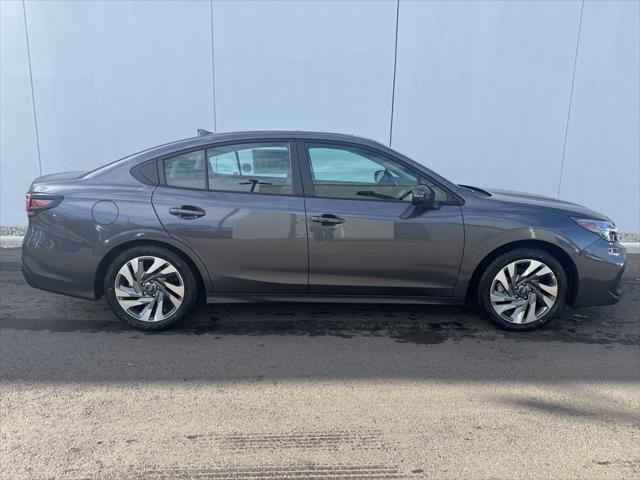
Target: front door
<point x="239" y="207"/>
<point x="365" y="236"/>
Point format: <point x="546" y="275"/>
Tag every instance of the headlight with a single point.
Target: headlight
<point x="605" y="228"/>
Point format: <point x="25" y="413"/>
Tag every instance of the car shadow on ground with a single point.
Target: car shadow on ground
<point x="424" y="325"/>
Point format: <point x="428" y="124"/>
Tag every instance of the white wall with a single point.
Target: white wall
<point x="485" y="91"/>
<point x="324" y="66"/>
<point x="482" y="90"/>
<point x="602" y="162"/>
<point x="111" y="78"/>
<point x="18" y="150"/>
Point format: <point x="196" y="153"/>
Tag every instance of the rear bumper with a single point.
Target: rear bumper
<point x="49" y="265"/>
<point x="50" y="284"/>
<point x="600" y="268"/>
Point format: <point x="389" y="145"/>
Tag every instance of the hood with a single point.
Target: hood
<point x="540" y="201"/>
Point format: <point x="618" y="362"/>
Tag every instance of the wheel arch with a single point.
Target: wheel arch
<point x="558" y="253"/>
<point x="199" y="273"/>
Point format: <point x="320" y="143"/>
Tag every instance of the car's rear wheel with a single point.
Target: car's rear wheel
<point x="523" y="289"/>
<point x="150" y="287"/>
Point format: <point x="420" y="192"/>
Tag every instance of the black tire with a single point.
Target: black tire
<point x="500" y="262"/>
<point x="188" y="277"/>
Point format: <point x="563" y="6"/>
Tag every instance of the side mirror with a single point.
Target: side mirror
<point x="423" y="195"/>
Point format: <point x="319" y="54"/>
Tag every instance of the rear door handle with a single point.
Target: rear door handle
<point x="187" y="212"/>
<point x="327" y="219"/>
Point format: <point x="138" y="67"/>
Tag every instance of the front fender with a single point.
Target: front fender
<point x="492" y="229"/>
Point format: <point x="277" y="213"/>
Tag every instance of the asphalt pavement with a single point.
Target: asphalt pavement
<point x="313" y="391"/>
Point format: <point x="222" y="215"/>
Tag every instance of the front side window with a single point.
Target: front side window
<point x="356" y="173"/>
<point x="263" y="167"/>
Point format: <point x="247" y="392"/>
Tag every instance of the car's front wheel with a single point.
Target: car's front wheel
<point x="150" y="287"/>
<point x="523" y="289"/>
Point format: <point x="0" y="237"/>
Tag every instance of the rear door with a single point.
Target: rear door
<point x="365" y="236"/>
<point x="239" y="206"/>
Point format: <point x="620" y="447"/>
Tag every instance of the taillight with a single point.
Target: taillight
<point x="37" y="202"/>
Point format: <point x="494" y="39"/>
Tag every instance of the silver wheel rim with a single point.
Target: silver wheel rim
<point x="149" y="288"/>
<point x="524" y="291"/>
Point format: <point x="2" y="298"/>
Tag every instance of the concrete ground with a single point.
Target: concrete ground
<point x="315" y="392"/>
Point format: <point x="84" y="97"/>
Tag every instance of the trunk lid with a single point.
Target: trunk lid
<point x="40" y="184"/>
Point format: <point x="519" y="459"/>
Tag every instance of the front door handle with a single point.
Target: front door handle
<point x="327" y="219"/>
<point x="188" y="212"/>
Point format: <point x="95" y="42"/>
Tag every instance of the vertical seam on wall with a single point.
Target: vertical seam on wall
<point x="395" y="62"/>
<point x="213" y="69"/>
<point x="573" y="78"/>
<point x="33" y="96"/>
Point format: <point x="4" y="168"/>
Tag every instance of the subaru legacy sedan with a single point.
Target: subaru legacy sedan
<point x="308" y="217"/>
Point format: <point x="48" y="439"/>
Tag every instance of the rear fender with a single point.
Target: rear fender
<point x="131" y="238"/>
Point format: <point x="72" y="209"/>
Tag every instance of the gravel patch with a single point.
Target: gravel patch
<point x="12" y="231"/>
<point x="629" y="237"/>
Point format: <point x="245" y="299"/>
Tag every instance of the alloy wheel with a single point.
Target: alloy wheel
<point x="524" y="291"/>
<point x="149" y="288"/>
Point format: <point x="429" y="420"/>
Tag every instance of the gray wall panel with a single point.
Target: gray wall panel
<point x="602" y="161"/>
<point x="112" y="78"/>
<point x="18" y="152"/>
<point x="305" y="65"/>
<point x="482" y="89"/>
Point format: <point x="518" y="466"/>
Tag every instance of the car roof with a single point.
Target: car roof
<point x="210" y="138"/>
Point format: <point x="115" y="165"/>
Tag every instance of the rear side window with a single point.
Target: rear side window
<point x="186" y="170"/>
<point x="251" y="168"/>
<point x="263" y="167"/>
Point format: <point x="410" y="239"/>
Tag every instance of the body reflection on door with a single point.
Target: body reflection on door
<point x="382" y="249"/>
<point x="259" y="245"/>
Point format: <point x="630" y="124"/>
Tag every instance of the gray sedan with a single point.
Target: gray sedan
<point x="311" y="217"/>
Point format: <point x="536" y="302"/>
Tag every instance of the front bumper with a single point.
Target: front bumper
<point x="600" y="268"/>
